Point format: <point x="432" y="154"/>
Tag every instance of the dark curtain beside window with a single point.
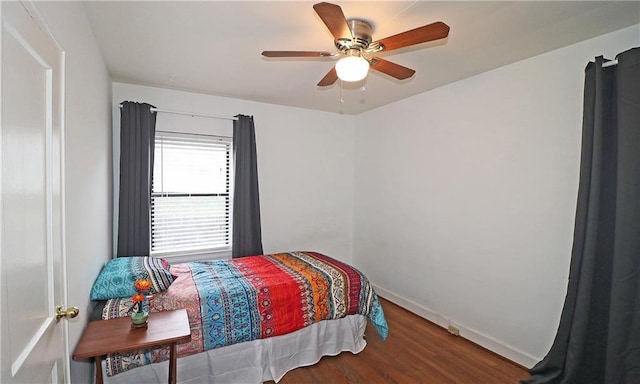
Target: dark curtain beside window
<point x="247" y="234"/>
<point x="137" y="135"/>
<point x="598" y="339"/>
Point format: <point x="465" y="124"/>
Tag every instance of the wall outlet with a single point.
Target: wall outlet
<point x="453" y="330"/>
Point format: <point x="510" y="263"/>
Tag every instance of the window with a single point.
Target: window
<point x="190" y="197"/>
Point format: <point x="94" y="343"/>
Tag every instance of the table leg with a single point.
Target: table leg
<point x="172" y="363"/>
<point x="98" y="366"/>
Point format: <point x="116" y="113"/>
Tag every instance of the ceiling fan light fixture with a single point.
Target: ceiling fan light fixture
<point x="352" y="67"/>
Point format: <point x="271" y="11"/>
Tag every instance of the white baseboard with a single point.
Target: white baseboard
<point x="496" y="346"/>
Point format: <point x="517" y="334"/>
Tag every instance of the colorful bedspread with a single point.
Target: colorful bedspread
<point x="233" y="301"/>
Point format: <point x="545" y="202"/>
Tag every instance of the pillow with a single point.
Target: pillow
<point x="118" y="276"/>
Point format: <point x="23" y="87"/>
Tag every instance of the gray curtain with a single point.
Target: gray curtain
<point x="247" y="234"/>
<point x="598" y="339"/>
<point x="137" y="135"/>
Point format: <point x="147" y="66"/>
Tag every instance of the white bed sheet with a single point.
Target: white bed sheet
<point x="259" y="360"/>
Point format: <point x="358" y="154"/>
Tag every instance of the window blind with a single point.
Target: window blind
<point x="190" y="199"/>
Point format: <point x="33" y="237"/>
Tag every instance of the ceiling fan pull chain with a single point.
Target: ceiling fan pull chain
<point x="341" y="99"/>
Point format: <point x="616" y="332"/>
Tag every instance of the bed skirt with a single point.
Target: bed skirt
<point x="258" y="360"/>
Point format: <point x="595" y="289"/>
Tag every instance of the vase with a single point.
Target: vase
<point x="139" y="319"/>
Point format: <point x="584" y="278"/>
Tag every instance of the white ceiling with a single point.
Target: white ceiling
<point x="214" y="47"/>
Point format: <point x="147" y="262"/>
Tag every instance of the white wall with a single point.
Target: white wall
<point x="465" y="197"/>
<point x="305" y="167"/>
<point x="87" y="162"/>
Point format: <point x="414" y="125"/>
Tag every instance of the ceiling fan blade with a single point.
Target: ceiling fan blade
<point x="296" y="54"/>
<point x="329" y="78"/>
<point x="435" y="31"/>
<point x="391" y="69"/>
<point x="333" y="17"/>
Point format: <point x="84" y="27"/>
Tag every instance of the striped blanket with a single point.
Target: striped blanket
<point x="233" y="301"/>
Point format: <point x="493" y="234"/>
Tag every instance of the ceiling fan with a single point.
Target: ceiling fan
<point x="358" y="51"/>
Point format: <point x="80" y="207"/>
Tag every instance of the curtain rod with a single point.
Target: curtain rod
<point x="610" y="63"/>
<point x="192" y="114"/>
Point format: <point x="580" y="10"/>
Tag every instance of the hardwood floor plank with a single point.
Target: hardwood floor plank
<point x="416" y="351"/>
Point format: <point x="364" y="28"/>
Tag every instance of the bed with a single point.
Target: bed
<point x="252" y="319"/>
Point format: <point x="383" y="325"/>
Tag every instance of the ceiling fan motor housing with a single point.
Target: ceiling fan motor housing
<point x="361" y="31"/>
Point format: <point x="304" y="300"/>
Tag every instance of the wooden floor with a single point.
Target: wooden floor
<point x="416" y="351"/>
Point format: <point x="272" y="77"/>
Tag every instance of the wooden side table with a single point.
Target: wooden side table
<point x="103" y="337"/>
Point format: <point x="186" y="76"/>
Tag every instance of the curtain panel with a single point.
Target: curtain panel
<point x="247" y="233"/>
<point x="137" y="135"/>
<point x="598" y="339"/>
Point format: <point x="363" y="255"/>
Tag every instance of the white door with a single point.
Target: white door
<point x="34" y="347"/>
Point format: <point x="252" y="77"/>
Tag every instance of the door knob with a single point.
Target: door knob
<point x="69" y="313"/>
